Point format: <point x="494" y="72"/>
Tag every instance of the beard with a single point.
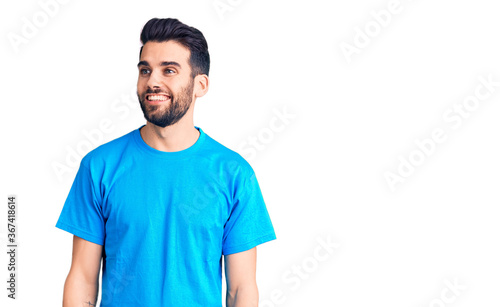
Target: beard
<point x="167" y="115"/>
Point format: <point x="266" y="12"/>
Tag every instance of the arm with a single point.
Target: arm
<point x="82" y="284"/>
<point x="241" y="281"/>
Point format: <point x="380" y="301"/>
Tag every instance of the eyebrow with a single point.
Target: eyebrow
<point x="166" y="63"/>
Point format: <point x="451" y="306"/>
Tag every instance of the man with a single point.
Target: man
<point x="165" y="203"/>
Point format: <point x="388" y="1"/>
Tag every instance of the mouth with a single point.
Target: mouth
<point x="157" y="98"/>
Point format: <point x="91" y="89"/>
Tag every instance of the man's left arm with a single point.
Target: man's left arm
<point x="240" y="270"/>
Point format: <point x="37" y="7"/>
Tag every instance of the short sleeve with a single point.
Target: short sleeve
<point x="82" y="212"/>
<point x="249" y="223"/>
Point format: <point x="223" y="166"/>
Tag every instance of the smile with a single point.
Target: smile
<point x="157" y="97"/>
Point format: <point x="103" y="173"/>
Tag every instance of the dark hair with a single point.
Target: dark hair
<point x="162" y="30"/>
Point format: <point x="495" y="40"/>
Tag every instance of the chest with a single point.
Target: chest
<point x="166" y="204"/>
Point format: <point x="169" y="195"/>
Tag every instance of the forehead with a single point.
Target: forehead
<point x="156" y="52"/>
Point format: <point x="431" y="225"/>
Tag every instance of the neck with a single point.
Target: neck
<point x="177" y="137"/>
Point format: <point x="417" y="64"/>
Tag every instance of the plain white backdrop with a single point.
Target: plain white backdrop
<point x="369" y="125"/>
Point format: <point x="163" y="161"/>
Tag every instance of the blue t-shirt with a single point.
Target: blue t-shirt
<point x="165" y="218"/>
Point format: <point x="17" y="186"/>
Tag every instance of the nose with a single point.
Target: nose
<point x="153" y="80"/>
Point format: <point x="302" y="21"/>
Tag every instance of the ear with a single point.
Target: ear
<point x="200" y="85"/>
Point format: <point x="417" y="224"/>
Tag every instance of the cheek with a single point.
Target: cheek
<point x="141" y="85"/>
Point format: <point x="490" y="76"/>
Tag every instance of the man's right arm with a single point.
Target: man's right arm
<point x="82" y="284"/>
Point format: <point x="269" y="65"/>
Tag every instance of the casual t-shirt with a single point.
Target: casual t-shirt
<point x="165" y="218"/>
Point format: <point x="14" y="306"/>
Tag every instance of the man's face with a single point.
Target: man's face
<point x="165" y="85"/>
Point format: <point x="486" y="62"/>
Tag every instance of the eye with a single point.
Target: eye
<point x="169" y="71"/>
<point x="144" y="71"/>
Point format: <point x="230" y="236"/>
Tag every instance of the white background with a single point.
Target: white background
<point x="322" y="174"/>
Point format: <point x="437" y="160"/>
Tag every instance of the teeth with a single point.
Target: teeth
<point x="157" y="97"/>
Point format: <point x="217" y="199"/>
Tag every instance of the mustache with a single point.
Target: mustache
<point x="156" y="91"/>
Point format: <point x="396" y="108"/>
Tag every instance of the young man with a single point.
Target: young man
<point x="162" y="204"/>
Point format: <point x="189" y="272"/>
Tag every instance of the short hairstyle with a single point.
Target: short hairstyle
<point x="166" y="29"/>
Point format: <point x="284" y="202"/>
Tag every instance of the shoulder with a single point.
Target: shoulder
<point x="108" y="152"/>
<point x="231" y="160"/>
